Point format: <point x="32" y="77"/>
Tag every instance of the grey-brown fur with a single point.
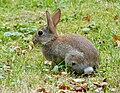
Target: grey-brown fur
<point x="77" y="51"/>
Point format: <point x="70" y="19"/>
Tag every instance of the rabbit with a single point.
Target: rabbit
<point x="77" y="51"/>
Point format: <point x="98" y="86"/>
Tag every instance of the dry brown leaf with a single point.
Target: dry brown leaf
<point x="72" y="82"/>
<point x="105" y="80"/>
<point x="40" y="90"/>
<point x="97" y="84"/>
<point x="60" y="73"/>
<point x="79" y="89"/>
<point x="63" y="87"/>
<point x="86" y="18"/>
<point x="104" y="84"/>
<point x="82" y="88"/>
<point x="65" y="91"/>
<point x="57" y="73"/>
<point x="85" y="86"/>
<point x="117" y="40"/>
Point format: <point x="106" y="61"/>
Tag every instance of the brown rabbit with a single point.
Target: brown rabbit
<point x="77" y="52"/>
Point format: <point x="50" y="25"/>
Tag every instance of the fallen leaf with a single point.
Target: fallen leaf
<point x="104" y="84"/>
<point x="97" y="84"/>
<point x="65" y="91"/>
<point x="105" y="80"/>
<point x="78" y="80"/>
<point x="117" y="40"/>
<point x="85" y="86"/>
<point x="63" y="87"/>
<point x="72" y="82"/>
<point x="79" y="89"/>
<point x="82" y="88"/>
<point x="60" y="73"/>
<point x="101" y="85"/>
<point x="86" y="18"/>
<point x="40" y="90"/>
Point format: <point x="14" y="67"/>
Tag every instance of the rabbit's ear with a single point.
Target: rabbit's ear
<point x="56" y="16"/>
<point x="50" y="23"/>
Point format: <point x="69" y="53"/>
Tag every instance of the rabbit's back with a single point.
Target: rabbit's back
<point x="57" y="49"/>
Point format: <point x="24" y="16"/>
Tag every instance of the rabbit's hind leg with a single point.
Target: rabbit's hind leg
<point x="75" y="60"/>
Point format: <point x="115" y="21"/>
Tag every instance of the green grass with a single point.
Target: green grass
<point x="24" y="72"/>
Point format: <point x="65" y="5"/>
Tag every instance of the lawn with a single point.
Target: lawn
<point x="23" y="68"/>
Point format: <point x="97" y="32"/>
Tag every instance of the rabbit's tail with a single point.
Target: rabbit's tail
<point x="88" y="70"/>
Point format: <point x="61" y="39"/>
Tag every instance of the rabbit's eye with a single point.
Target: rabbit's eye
<point x="40" y="32"/>
<point x="73" y="64"/>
